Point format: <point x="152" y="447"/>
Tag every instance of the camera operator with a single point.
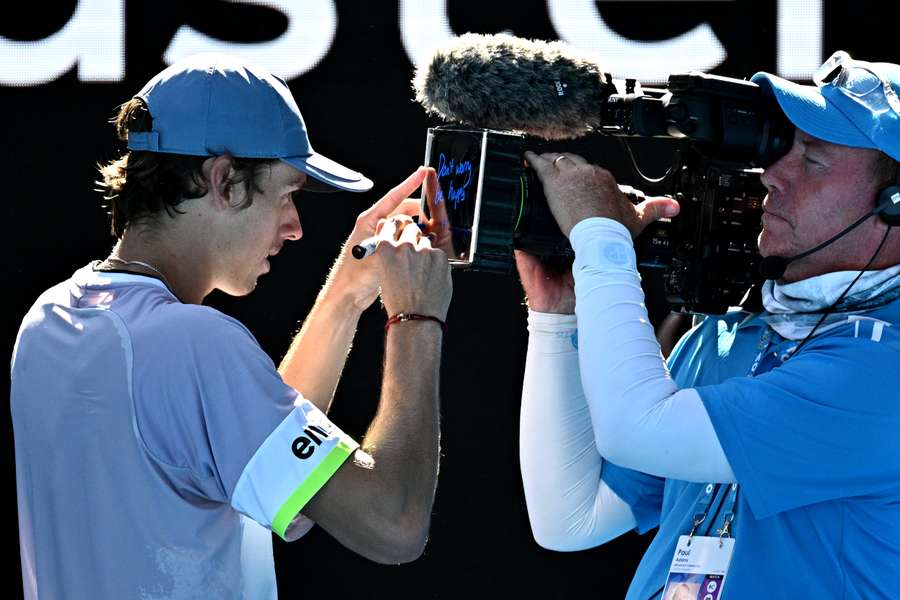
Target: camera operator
<point x="773" y="431"/>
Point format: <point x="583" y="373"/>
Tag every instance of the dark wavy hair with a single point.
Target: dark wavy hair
<point x="140" y="185"/>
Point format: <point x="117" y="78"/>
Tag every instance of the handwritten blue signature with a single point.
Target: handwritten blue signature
<point x="456" y="193"/>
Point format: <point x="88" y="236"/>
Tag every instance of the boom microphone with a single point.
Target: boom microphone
<point x="546" y="89"/>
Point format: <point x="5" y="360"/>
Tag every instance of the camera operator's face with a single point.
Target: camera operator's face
<point x="815" y="191"/>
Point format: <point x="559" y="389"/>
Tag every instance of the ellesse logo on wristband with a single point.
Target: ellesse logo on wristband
<point x="303" y="446"/>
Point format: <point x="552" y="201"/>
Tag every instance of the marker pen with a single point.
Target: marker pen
<point x="368" y="245"/>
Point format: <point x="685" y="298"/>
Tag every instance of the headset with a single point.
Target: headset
<point x="887" y="207"/>
<point x="888" y="204"/>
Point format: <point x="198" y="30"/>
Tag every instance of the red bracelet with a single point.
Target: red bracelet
<point x="401" y="317"/>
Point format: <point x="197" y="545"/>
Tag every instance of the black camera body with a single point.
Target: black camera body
<point x="708" y="254"/>
<point x="490" y="202"/>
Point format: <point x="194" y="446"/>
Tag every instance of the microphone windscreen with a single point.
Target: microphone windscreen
<point x="546" y="89"/>
<point x="773" y="267"/>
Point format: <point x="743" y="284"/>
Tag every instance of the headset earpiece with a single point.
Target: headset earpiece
<point x="888" y="203"/>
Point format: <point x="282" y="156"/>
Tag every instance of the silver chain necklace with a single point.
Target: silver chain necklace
<point x="141" y="264"/>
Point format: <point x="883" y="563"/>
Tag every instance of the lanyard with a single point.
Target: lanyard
<point x="762" y="346"/>
<point x="704" y="502"/>
<point x="729" y="503"/>
<point x="717" y="560"/>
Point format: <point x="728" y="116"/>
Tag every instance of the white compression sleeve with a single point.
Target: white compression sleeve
<point x="641" y="420"/>
<point x="569" y="507"/>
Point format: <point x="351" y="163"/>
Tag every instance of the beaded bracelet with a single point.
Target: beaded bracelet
<point x="401" y="317"/>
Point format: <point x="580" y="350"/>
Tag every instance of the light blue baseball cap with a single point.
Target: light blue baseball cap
<point x="853" y="103"/>
<point x="211" y="104"/>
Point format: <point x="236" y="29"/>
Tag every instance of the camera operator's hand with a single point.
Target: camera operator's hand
<point x="549" y="288"/>
<point x="577" y="190"/>
<point x="415" y="278"/>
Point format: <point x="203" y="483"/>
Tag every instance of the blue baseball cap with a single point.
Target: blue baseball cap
<point x="853" y="103"/>
<point x="212" y="104"/>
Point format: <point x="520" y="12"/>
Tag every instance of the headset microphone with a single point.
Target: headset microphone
<point x="773" y="267"/>
<point x="888" y="208"/>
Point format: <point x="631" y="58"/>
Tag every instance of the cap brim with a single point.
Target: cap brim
<point x="811" y="111"/>
<point x="327" y="175"/>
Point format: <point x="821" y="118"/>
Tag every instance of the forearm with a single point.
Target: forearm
<point x="641" y="420"/>
<point x="317" y="355"/>
<point x="569" y="506"/>
<point x="379" y="503"/>
<point x="404" y="437"/>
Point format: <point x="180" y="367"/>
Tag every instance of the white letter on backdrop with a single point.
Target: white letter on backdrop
<point x="799" y="42"/>
<point x="312" y="25"/>
<point x="580" y="23"/>
<point x="423" y="27"/>
<point x="93" y="39"/>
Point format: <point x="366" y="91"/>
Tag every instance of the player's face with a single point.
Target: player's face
<point x="815" y="191"/>
<point x="259" y="231"/>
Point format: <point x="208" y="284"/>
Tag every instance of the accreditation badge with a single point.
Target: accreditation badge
<point x="698" y="568"/>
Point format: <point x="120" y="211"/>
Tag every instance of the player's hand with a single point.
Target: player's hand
<point x="438" y="226"/>
<point x="415" y="278"/>
<point x="361" y="279"/>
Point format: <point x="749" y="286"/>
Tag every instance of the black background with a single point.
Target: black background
<point x="358" y="105"/>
